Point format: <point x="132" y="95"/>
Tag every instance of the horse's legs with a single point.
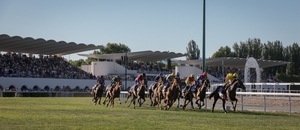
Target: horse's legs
<point x="202" y="103"/>
<point x="234" y="105"/>
<point x="134" y="103"/>
<point x="223" y="105"/>
<point x="214" y="104"/>
<point x="106" y="95"/>
<point x="159" y="102"/>
<point x="119" y="100"/>
<point x="130" y="102"/>
<point x="127" y="97"/>
<point x="184" y="104"/>
<point x="109" y="100"/>
<point x="99" y="100"/>
<point x="150" y="97"/>
<point x="178" y="102"/>
<point x="140" y="101"/>
<point x="197" y="102"/>
<point x="192" y="104"/>
<point x="113" y="102"/>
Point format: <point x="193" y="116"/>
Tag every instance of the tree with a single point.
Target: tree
<point x="110" y="48"/>
<point x="293" y="56"/>
<point x="193" y="51"/>
<point x="114" y="48"/>
<point x="223" y="52"/>
<point x="77" y="63"/>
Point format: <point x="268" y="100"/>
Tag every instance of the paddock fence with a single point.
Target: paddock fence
<point x="264" y="96"/>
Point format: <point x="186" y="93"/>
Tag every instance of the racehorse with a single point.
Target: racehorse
<point x="97" y="93"/>
<point x="188" y="98"/>
<point x="140" y="94"/>
<point x="230" y="93"/>
<point x="115" y="93"/>
<point x="158" y="95"/>
<point x="151" y="91"/>
<point x="201" y="93"/>
<point x="173" y="93"/>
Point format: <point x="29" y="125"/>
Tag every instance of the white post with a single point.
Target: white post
<point x="242" y="103"/>
<point x="265" y="106"/>
<point x="290" y="103"/>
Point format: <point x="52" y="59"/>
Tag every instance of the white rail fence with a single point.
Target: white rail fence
<point x="125" y="93"/>
<point x="249" y="94"/>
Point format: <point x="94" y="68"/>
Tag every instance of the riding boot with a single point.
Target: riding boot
<point x="135" y="90"/>
<point x="111" y="89"/>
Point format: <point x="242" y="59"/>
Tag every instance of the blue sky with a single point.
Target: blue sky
<point x="157" y="25"/>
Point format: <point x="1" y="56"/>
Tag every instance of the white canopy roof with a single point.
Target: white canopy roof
<point x="232" y="61"/>
<point x="150" y="56"/>
<point x="41" y="46"/>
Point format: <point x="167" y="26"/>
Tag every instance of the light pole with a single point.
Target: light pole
<point x="203" y="44"/>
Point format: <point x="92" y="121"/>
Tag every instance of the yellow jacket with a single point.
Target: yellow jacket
<point x="189" y="80"/>
<point x="228" y="77"/>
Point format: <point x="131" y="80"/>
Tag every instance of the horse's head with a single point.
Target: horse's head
<point x="176" y="82"/>
<point x="207" y="82"/>
<point x="240" y="84"/>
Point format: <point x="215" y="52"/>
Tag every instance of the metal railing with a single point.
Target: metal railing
<point x="125" y="93"/>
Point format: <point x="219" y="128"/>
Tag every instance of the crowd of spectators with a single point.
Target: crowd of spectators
<point x="141" y="67"/>
<point x="218" y="73"/>
<point x="15" y="65"/>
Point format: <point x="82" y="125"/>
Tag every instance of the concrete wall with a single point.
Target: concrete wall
<point x="105" y="68"/>
<point x="185" y="71"/>
<point x="5" y="82"/>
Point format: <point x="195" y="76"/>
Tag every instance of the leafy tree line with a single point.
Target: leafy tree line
<point x="110" y="48"/>
<point x="250" y="48"/>
<point x="115" y="48"/>
<point x="265" y="51"/>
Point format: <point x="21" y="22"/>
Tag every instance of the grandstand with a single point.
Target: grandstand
<point x="49" y="71"/>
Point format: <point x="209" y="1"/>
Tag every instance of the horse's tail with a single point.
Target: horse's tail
<point x="214" y="92"/>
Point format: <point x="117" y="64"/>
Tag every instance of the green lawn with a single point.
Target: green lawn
<point x="66" y="113"/>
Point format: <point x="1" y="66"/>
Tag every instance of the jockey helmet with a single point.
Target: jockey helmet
<point x="192" y="75"/>
<point x="198" y="76"/>
<point x="229" y="74"/>
<point x="118" y="76"/>
<point x="101" y="76"/>
<point x="235" y="75"/>
<point x="205" y="73"/>
<point x="161" y="74"/>
<point x="178" y="74"/>
<point x="172" y="74"/>
<point x="144" y="75"/>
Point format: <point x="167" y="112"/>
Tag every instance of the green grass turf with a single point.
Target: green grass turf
<point x="78" y="113"/>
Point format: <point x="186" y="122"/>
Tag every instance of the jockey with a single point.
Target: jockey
<point x="101" y="80"/>
<point x="178" y="75"/>
<point x="157" y="77"/>
<point x="114" y="80"/>
<point x="190" y="81"/>
<point x="138" y="81"/>
<point x="228" y="79"/>
<point x="235" y="76"/>
<point x="169" y="79"/>
<point x="201" y="77"/>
